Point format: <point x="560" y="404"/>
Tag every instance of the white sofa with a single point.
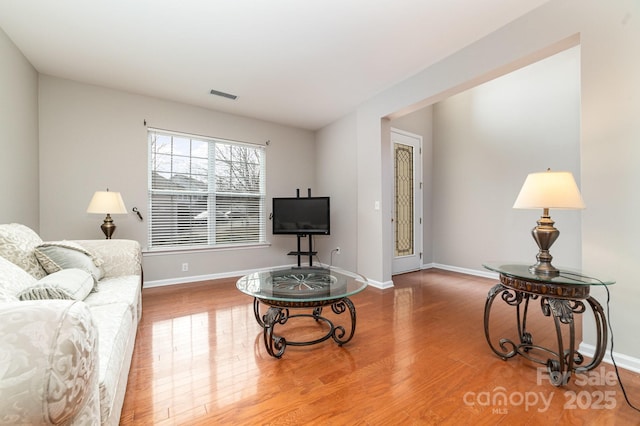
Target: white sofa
<point x="69" y="312"/>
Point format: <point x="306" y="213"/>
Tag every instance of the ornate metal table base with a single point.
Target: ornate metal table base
<point x="278" y="313"/>
<point x="559" y="301"/>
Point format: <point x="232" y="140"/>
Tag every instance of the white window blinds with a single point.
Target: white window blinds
<point x="204" y="192"/>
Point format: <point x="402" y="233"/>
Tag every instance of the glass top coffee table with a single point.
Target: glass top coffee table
<point x="302" y="288"/>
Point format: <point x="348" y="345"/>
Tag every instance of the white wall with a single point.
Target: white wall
<point x="611" y="159"/>
<point x="609" y="35"/>
<point x="92" y="138"/>
<point x="18" y="137"/>
<point x="487" y="140"/>
<point x="336" y="159"/>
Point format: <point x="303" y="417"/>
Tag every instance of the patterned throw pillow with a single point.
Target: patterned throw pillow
<point x="58" y="255"/>
<point x="17" y="243"/>
<point x="73" y="284"/>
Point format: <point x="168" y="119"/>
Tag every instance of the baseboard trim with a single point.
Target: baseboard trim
<point x="196" y="278"/>
<point x="207" y="277"/>
<point x="232" y="274"/>
<point x="624" y="361"/>
<point x="380" y="285"/>
<point x="468" y="271"/>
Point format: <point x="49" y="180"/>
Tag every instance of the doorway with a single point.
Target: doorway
<point x="407" y="201"/>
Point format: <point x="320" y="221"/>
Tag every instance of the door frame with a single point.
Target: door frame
<point x="413" y="262"/>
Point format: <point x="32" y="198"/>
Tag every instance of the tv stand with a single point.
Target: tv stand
<point x="300" y="253"/>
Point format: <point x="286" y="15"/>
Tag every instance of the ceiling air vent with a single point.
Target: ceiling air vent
<point x="223" y="94"/>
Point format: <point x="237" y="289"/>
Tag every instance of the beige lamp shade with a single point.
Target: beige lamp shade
<point x="107" y="202"/>
<point x="554" y="190"/>
<point x="547" y="190"/>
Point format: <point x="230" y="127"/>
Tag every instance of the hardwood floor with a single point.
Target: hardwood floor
<point x="419" y="356"/>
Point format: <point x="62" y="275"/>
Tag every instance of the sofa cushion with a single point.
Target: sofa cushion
<point x="73" y="284"/>
<point x="17" y="244"/>
<point x="13" y="279"/>
<point x="57" y="255"/>
<point x="115" y="330"/>
<point x="124" y="289"/>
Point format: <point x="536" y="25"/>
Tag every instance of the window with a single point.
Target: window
<point x="204" y="192"/>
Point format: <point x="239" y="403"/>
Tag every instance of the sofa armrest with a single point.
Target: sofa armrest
<point x="48" y="363"/>
<point x="120" y="257"/>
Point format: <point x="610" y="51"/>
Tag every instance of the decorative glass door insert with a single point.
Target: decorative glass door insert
<point x="404" y="200"/>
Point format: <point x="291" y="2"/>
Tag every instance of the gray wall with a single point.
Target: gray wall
<point x="487" y="140"/>
<point x="93" y="138"/>
<point x="478" y="147"/>
<point x="18" y="137"/>
<point x="336" y="176"/>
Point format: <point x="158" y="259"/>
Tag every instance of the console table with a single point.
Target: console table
<point x="560" y="297"/>
<point x="300" y="288"/>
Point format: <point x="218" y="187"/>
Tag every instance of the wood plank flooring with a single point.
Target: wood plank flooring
<point x="418" y="357"/>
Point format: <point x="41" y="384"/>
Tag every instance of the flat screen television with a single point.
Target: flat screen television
<point x="301" y="216"/>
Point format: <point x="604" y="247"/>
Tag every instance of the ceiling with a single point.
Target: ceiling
<point x="303" y="63"/>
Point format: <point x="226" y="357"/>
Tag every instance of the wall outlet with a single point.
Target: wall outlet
<point x="185" y="267"/>
<point x="338" y="250"/>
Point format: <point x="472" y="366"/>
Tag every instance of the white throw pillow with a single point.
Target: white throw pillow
<point x="55" y="256"/>
<point x="71" y="283"/>
<point x="13" y="278"/>
<point x="6" y="296"/>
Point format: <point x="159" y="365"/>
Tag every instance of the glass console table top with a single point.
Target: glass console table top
<point x="567" y="275"/>
<point x="562" y="298"/>
<point x="301" y="284"/>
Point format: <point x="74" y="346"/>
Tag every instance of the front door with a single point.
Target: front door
<point x="407" y="196"/>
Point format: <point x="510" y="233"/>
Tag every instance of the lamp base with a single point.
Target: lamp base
<point x="545" y="234"/>
<point x="108" y="226"/>
<point x="545" y="269"/>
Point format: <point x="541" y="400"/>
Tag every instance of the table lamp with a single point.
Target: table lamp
<point x="106" y="202"/>
<point x="548" y="190"/>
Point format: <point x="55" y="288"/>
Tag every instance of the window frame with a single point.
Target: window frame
<point x="254" y="232"/>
